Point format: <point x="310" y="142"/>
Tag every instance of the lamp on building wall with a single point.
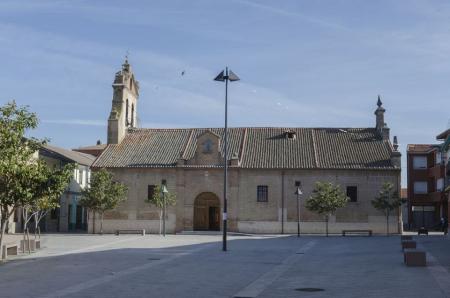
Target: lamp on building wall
<point x="298" y="192"/>
<point x="164" y="191"/>
<point x="225" y="76"/>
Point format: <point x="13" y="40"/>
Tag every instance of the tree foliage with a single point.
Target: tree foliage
<point x="326" y="199"/>
<point x="386" y="201"/>
<point x="103" y="194"/>
<point x="17" y="166"/>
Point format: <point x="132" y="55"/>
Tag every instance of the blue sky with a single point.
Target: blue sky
<point x="302" y="63"/>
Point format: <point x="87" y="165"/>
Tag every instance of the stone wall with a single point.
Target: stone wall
<point x="245" y="214"/>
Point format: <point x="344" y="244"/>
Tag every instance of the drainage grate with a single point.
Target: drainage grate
<point x="310" y="289"/>
<point x="299" y="253"/>
<point x="153" y="259"/>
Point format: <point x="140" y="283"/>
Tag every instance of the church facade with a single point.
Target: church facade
<point x="266" y="164"/>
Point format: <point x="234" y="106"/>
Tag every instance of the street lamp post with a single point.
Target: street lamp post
<point x="225" y="76"/>
<point x="164" y="192"/>
<point x="298" y="192"/>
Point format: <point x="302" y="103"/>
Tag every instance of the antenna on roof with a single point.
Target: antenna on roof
<point x="448" y="123"/>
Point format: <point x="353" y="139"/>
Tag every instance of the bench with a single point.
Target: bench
<point x="422" y="231"/>
<point x="142" y="232"/>
<point x="406" y="237"/>
<point x="414" y="257"/>
<point x="408" y="244"/>
<point x="9" y="249"/>
<point x="368" y="232"/>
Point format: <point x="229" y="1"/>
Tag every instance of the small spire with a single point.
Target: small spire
<point x="379" y="103"/>
<point x="126" y="65"/>
<point x="395" y="145"/>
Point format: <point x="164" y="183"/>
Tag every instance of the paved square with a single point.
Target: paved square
<point x="254" y="266"/>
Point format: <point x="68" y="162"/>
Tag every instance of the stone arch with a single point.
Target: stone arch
<point x="207" y="212"/>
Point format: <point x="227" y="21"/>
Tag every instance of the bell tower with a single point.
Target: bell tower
<point x="124" y="104"/>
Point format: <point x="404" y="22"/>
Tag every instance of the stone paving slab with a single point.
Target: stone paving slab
<point x="195" y="266"/>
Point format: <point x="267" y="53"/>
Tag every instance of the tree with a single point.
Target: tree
<point x="103" y="194"/>
<point x="48" y="191"/>
<point x="386" y="201"/>
<point x="157" y="199"/>
<point x="326" y="199"/>
<point x="17" y="168"/>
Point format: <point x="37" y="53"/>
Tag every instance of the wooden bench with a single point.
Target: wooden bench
<point x="368" y="232"/>
<point x="9" y="249"/>
<point x="414" y="257"/>
<point x="142" y="232"/>
<point x="408" y="244"/>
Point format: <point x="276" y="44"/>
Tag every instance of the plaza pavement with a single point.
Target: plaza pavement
<point x="254" y="266"/>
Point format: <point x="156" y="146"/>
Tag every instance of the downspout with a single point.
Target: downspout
<point x="282" y="202"/>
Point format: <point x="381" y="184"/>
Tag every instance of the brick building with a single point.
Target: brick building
<point x="428" y="177"/>
<point x="264" y="166"/>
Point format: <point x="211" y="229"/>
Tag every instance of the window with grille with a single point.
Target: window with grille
<point x="352" y="193"/>
<point x="151" y="191"/>
<point x="262" y="193"/>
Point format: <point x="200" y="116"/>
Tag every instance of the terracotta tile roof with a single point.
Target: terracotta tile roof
<point x="265" y="148"/>
<point x="443" y="135"/>
<point x="420" y="148"/>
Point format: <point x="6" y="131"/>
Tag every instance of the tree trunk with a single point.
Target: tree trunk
<point x="387" y="224"/>
<point x="101" y="223"/>
<point x="160" y="221"/>
<point x="36" y="224"/>
<point x="28" y="241"/>
<point x="3" y="223"/>
<point x="326" y="223"/>
<point x="93" y="222"/>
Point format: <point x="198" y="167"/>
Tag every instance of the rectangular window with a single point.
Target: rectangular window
<point x="83" y="177"/>
<point x="352" y="193"/>
<point x="419" y="162"/>
<point x="440" y="184"/>
<point x="54" y="213"/>
<point x="262" y="193"/>
<point x="420" y="187"/>
<point x="151" y="191"/>
<point x="438" y="157"/>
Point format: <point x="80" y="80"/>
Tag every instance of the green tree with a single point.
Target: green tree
<point x="326" y="199"/>
<point x="17" y="168"/>
<point x="386" y="201"/>
<point x="49" y="190"/>
<point x="157" y="199"/>
<point x="103" y="194"/>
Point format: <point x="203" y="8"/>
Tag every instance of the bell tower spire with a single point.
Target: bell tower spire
<point x="380" y="125"/>
<point x="124" y="103"/>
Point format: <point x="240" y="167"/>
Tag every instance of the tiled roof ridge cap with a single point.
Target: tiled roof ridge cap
<point x="247" y="127"/>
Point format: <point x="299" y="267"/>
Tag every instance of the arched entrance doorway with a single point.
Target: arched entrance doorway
<point x="207" y="212"/>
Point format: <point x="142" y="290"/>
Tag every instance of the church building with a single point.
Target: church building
<point x="266" y="164"/>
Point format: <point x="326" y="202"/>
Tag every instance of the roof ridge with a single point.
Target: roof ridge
<point x="244" y="127"/>
<point x="188" y="142"/>
<point x="316" y="159"/>
<point x="243" y="145"/>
